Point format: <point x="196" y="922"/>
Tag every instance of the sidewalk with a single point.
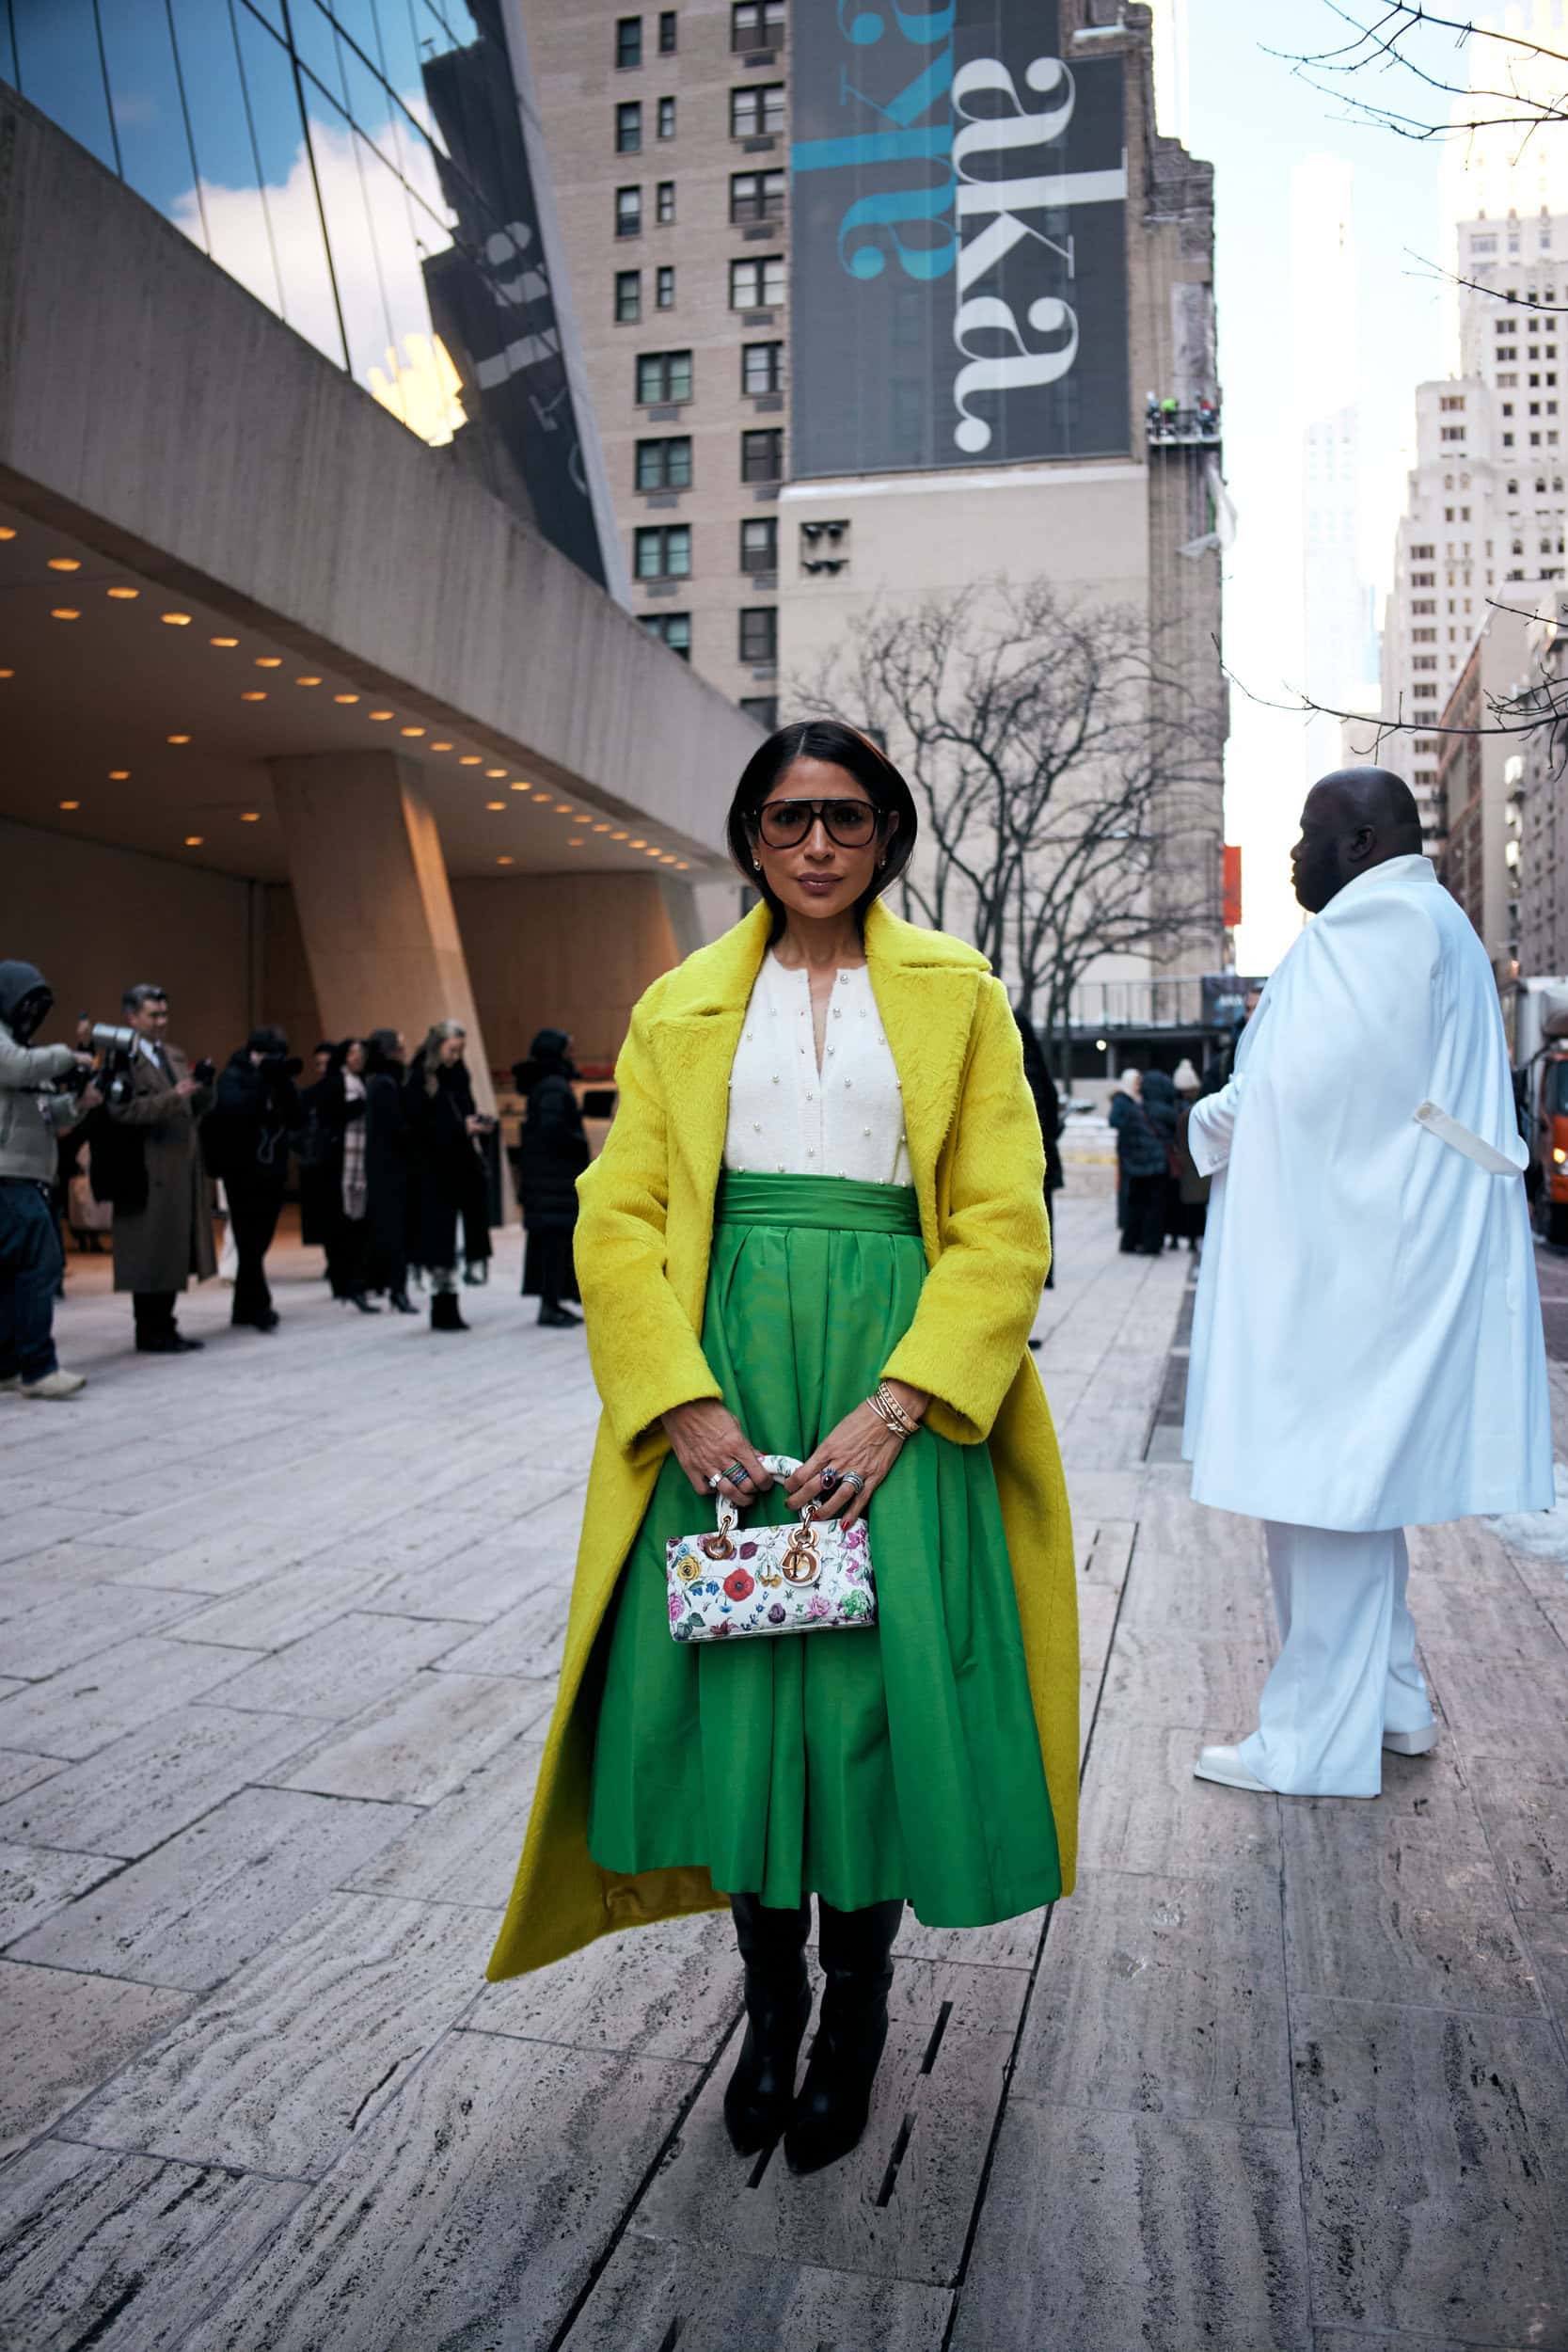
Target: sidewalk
<point x="277" y="1629"/>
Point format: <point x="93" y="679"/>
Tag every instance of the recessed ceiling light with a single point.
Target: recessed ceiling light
<point x="601" y="828"/>
<point x="250" y="816"/>
<point x="494" y="772"/>
<point x="65" y="564"/>
<point x="257" y="694"/>
<point x="194" y="840"/>
<point x="179" y="739"/>
<point x="223" y="641"/>
<point x="575" y="842"/>
<point x="635" y="842"/>
<point x="6" y="531"/>
<point x="469" y="759"/>
<point x="124" y="595"/>
<point x="495" y="803"/>
<point x="71" y="803"/>
<point x="63" y="612"/>
<point x="441" y="747"/>
<point x="176" y="620"/>
<point x="269" y="662"/>
<point x="540" y="796"/>
<point x="683" y="865"/>
<point x="504" y="861"/>
<point x="380" y="714"/>
<point x="519" y="787"/>
<point x="119" y="775"/>
<point x="346" y="698"/>
<point x="410" y="730"/>
<point x="7" y="674"/>
<point x="307" y="682"/>
<point x="617" y="836"/>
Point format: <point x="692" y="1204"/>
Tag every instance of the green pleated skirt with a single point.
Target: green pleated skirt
<point x="857" y="1764"/>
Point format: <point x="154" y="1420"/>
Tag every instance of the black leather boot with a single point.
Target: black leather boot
<point x="761" y="2090"/>
<point x="856" y="1951"/>
<point x="444" y="1315"/>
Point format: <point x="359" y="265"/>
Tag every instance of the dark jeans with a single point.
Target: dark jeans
<point x="253" y="1211"/>
<point x="31" y="1263"/>
<point x="1146" y="1215"/>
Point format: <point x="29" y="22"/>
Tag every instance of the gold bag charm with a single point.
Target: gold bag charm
<point x="801" y="1561"/>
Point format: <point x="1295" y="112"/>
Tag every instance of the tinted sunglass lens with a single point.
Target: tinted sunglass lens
<point x="784" y="822"/>
<point x="851" y="823"/>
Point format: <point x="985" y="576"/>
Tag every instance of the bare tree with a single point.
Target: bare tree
<point x="1066" y="771"/>
<point x="1409" y="51"/>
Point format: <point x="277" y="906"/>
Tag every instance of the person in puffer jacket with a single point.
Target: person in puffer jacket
<point x="35" y="1111"/>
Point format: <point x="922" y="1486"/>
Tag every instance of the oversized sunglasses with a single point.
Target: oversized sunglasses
<point x="784" y="824"/>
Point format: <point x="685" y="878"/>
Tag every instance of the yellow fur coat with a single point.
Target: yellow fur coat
<point x="642" y="1243"/>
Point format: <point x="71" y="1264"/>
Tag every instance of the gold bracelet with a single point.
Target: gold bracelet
<point x="892" y="1413"/>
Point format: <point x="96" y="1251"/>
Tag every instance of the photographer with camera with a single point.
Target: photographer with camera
<point x="245" y="1140"/>
<point x="35" y="1111"/>
<point x="162" y="1219"/>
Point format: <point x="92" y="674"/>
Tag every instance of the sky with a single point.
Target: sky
<point x="1255" y="120"/>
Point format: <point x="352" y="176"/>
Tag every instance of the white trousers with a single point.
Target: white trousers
<point x="1346" y="1670"/>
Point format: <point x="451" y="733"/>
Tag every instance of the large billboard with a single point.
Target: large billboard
<point x="958" y="244"/>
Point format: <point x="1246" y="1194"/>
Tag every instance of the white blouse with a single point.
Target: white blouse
<point x="788" y="1119"/>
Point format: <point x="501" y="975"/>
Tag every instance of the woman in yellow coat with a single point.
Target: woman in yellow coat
<point x="816" y="1231"/>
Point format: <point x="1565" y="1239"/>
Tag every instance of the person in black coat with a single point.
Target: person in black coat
<point x="552" y="1151"/>
<point x="1143" y="1165"/>
<point x="387" y="1190"/>
<point x="1161" y="1109"/>
<point x="449" y="1188"/>
<point x="1048" y="1109"/>
<point x="312" y="1151"/>
<point x="339" y="1108"/>
<point x="245" y="1139"/>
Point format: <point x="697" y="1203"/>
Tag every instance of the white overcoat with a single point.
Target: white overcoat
<point x="1367" y="1347"/>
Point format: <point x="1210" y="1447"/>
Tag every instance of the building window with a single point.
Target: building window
<point x="667" y="22"/>
<point x="664" y="202"/>
<point x="1452" y="402"/>
<point x="764" y="709"/>
<point x="757" y="109"/>
<point x="664" y="287"/>
<point x="761" y="456"/>
<point x="759" y="633"/>
<point x="761" y="368"/>
<point x="664" y="551"/>
<point x="628" y="127"/>
<point x="628" y="212"/>
<point x="666" y="118"/>
<point x="1422" y="554"/>
<point x="759" y="544"/>
<point x="757" y="285"/>
<point x="756" y="23"/>
<point x="1452" y="432"/>
<point x="629" y="40"/>
<point x="671" y="628"/>
<point x="663" y="375"/>
<point x="756" y="195"/>
<point x="628" y="296"/>
<point x="665" y="465"/>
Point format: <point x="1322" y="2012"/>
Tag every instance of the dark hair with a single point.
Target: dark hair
<point x="266" y="1039"/>
<point x="342" y="1051"/>
<point x="144" y="992"/>
<point x="842" y="746"/>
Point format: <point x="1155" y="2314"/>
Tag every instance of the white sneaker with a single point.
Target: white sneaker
<point x="55" y="1383"/>
<point x="1412" y="1742"/>
<point x="1224" y="1765"/>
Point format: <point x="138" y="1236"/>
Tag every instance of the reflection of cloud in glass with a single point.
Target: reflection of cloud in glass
<point x="375" y="262"/>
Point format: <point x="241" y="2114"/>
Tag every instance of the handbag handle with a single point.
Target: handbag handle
<point x="782" y="1466"/>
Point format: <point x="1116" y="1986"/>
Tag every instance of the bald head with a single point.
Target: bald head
<point x="1354" y="819"/>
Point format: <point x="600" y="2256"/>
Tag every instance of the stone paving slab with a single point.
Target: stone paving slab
<point x="465" y="1847"/>
<point x="1101" y="2228"/>
<point x="415" y="1747"/>
<point x="71" y="1626"/>
<point x="474" y="2208"/>
<point x="656" y="2295"/>
<point x="1462" y="2122"/>
<point x="201" y="1906"/>
<point x="119" y="2252"/>
<point x="153" y="1782"/>
<point x="93" y="1705"/>
<point x="63" y="2035"/>
<point x="343" y="1668"/>
<point x="36" y="1882"/>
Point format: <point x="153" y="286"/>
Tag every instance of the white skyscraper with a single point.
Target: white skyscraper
<point x="1512" y="169"/>
<point x="1337" y="654"/>
<point x="1171" y="79"/>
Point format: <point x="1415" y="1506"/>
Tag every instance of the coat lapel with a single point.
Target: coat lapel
<point x="925" y="987"/>
<point x="694" y="1039"/>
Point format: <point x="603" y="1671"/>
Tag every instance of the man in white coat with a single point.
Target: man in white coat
<point x="1367" y="1347"/>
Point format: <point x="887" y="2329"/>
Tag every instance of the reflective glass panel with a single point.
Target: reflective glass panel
<point x="335" y="151"/>
<point x="238" y="234"/>
<point x="148" y="112"/>
<point x="60" y="71"/>
<point x="288" y="189"/>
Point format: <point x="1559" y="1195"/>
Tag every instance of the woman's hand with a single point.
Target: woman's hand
<point x="862" y="1442"/>
<point x="706" y="1437"/>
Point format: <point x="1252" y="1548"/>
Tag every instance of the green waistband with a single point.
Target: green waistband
<point x="834" y="1203"/>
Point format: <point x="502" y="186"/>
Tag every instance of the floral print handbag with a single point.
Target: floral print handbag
<point x="806" y="1579"/>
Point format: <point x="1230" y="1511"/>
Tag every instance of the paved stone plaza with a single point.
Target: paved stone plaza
<point x="279" y="1628"/>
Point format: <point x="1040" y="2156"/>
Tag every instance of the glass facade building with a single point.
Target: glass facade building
<point x="360" y="166"/>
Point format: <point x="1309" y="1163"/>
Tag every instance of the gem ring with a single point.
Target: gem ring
<point x="828" y="1478"/>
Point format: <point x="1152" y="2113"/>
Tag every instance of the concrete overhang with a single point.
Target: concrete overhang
<point x="162" y="431"/>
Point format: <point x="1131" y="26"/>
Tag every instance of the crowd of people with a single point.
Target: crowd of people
<point x="390" y="1153"/>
